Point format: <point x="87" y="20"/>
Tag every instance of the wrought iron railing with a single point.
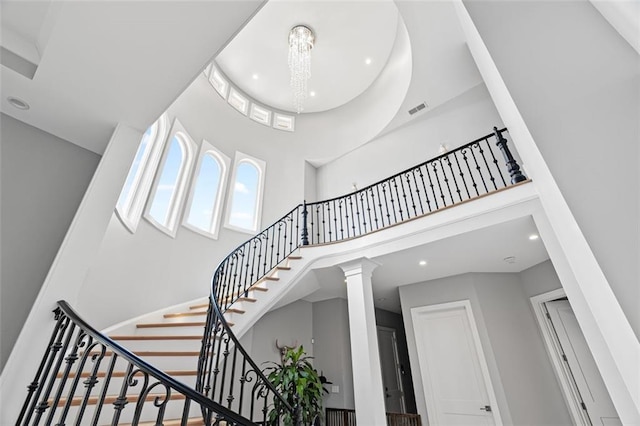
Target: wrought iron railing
<point x="453" y="177"/>
<point x="226" y="373"/>
<point x="85" y="378"/>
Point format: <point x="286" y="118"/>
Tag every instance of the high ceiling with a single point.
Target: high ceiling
<point x="353" y="41"/>
<point x="85" y="66"/>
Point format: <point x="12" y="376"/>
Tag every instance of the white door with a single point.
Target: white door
<point x="583" y="368"/>
<point x="453" y="369"/>
<point x="391" y="376"/>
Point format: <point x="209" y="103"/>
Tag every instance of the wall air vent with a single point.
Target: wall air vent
<point x="417" y="108"/>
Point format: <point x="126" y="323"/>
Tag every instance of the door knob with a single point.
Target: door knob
<point x="486" y="408"/>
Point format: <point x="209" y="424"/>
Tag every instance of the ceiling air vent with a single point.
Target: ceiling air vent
<point x="417" y="108"/>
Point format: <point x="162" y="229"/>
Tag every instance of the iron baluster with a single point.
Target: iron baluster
<point x="417" y="190"/>
<point x="121" y="400"/>
<point x="35" y="384"/>
<point x="478" y="168"/>
<point x="446" y="179"/>
<point x="453" y="176"/>
<point x="435" y="172"/>
<point x="433" y="192"/>
<point x="424" y="186"/>
<point x="464" y="182"/>
<point x="82" y="343"/>
<point x="53" y="355"/>
<point x="305" y="231"/>
<point x="404" y="197"/>
<point x="484" y="158"/>
<point x="341" y="221"/>
<point x="232" y="377"/>
<point x="466" y="161"/>
<point x="105" y="388"/>
<point x="91" y="381"/>
<point x="353" y="217"/>
<point x="69" y="361"/>
<point x="397" y="198"/>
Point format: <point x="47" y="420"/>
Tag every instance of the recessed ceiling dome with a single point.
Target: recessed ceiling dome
<point x="352" y="45"/>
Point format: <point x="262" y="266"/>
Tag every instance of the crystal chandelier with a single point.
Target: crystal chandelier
<point x="301" y="40"/>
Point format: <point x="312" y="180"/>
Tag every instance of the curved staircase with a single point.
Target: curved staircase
<point x="164" y="367"/>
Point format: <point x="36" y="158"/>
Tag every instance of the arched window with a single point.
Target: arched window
<point x="207" y="192"/>
<point x="136" y="187"/>
<point x="245" y="206"/>
<point x="168" y="194"/>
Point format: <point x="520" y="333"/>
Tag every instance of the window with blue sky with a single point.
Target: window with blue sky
<point x="138" y="183"/>
<point x="246" y="198"/>
<point x="167" y="184"/>
<point x="207" y="192"/>
<point x="167" y="199"/>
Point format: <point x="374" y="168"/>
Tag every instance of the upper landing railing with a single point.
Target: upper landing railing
<point x="226" y="373"/>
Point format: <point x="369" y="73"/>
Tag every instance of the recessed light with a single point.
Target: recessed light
<point x="18" y="103"/>
<point x="255" y="76"/>
<point x="381" y="299"/>
<point x="422" y="263"/>
<point x="533" y="237"/>
<point x="367" y="61"/>
<point x="312" y="93"/>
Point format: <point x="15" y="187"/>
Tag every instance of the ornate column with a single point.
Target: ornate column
<point x="365" y="358"/>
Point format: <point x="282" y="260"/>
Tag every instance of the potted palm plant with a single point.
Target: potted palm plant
<point x="299" y="384"/>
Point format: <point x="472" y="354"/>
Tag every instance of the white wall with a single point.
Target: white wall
<point x="576" y="85"/>
<point x="521" y="373"/>
<point x="458" y="121"/>
<point x="43" y="180"/>
<point x="149" y="270"/>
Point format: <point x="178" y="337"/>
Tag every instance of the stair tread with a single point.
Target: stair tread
<point x="170" y="324"/>
<point x="294" y="257"/>
<point x="153" y="353"/>
<point x="184" y="314"/>
<point x="202" y="305"/>
<point x="110" y="399"/>
<point x="173" y="324"/>
<point x="271" y="278"/>
<point x="284" y="268"/>
<point x="123" y="373"/>
<point x="163" y="337"/>
<point x="195" y="421"/>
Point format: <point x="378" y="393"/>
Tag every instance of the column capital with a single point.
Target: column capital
<point x="361" y="266"/>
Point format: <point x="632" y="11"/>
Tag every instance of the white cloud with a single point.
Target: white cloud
<point x="241" y="187"/>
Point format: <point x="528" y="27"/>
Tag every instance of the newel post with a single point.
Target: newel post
<point x="512" y="164"/>
<point x="305" y="231"/>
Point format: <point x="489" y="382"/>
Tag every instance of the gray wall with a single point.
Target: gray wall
<point x="332" y="350"/>
<point x="393" y="320"/>
<point x="520" y="370"/>
<point x="43" y="180"/>
<point x="576" y="81"/>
